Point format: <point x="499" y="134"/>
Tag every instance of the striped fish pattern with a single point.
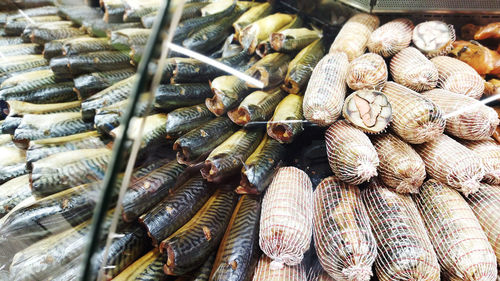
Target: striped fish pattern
<point x="124" y="250"/>
<point x="42" y="258"/>
<point x="150" y="190"/>
<point x="10" y="124"/>
<point x="118" y="92"/>
<point x="60" y="67"/>
<point x="67" y="169"/>
<point x="191" y="244"/>
<point x="176" y="209"/>
<point x="237" y="255"/>
<point x="154" y="132"/>
<point x="301" y="67"/>
<point x="11" y="40"/>
<point x="26" y="82"/>
<point x="13" y="192"/>
<point x="72" y="47"/>
<point x="98" y="61"/>
<point x="109" y="117"/>
<point x="53" y="48"/>
<point x="203" y="272"/>
<point x="88" y="84"/>
<point x="199" y="142"/>
<point x="184" y="119"/>
<point x="188" y="70"/>
<point x="258" y="106"/>
<point x="18" y="63"/>
<point x="8" y="75"/>
<point x="42" y="126"/>
<point x="229" y="157"/>
<point x="280" y="128"/>
<point x="60" y="92"/>
<point x="13" y="160"/>
<point x="124" y="38"/>
<point x="20" y="49"/>
<point x="147" y="268"/>
<point x="227" y="91"/>
<point x="40" y="149"/>
<point x="47" y="216"/>
<point x="258" y="170"/>
<point x="44" y="35"/>
<point x="173" y="96"/>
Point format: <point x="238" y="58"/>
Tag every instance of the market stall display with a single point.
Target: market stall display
<point x="222" y="187"/>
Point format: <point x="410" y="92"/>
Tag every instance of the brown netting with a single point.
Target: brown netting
<point x="265" y="272"/>
<point x="354" y="35"/>
<point x="466" y="117"/>
<point x="489" y="151"/>
<point x="368" y="71"/>
<point x="404" y="249"/>
<point x="351" y="155"/>
<point x="412" y="69"/>
<point x="486" y="206"/>
<point x="463" y="250"/>
<point x="415" y="118"/>
<point x="326" y="90"/>
<point x="286" y="219"/>
<point x="452" y="163"/>
<point x="433" y="38"/>
<point x="458" y="77"/>
<point x="344" y="242"/>
<point x="391" y="37"/>
<point x="400" y="166"/>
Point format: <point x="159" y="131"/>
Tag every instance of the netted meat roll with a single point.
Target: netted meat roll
<point x="412" y="69"/>
<point x="326" y="90"/>
<point x="345" y="244"/>
<point x="392" y="37"/>
<point x="368" y="71"/>
<point x="404" y="249"/>
<point x="489" y="151"/>
<point x="286" y="219"/>
<point x="459" y="77"/>
<point x="452" y="163"/>
<point x="415" y="118"/>
<point x="466" y="117"/>
<point x="351" y="155"/>
<point x="463" y="250"/>
<point x="265" y="272"/>
<point x="486" y="206"/>
<point x="400" y="166"/>
<point x="354" y="35"/>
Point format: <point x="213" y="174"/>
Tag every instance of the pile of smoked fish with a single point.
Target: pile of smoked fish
<point x="412" y="183"/>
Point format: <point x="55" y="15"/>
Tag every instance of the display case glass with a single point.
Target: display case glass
<point x="249" y="140"/>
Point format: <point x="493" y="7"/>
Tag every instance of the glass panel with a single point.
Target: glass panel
<point x="209" y="140"/>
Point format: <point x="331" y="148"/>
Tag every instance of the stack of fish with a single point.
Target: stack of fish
<point x="66" y="75"/>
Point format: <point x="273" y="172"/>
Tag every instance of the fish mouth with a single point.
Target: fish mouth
<point x="154" y="241"/>
<point x="210" y="171"/>
<point x="277" y="40"/>
<point x="260" y="74"/>
<point x="290" y="86"/>
<point x="245" y="186"/>
<point x="169" y="266"/>
<point x="240" y="116"/>
<point x="262" y="49"/>
<point x="215" y="104"/>
<point x="183" y="153"/>
<point x="280" y="132"/>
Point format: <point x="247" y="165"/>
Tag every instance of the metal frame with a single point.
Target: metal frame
<point x="477" y="7"/>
